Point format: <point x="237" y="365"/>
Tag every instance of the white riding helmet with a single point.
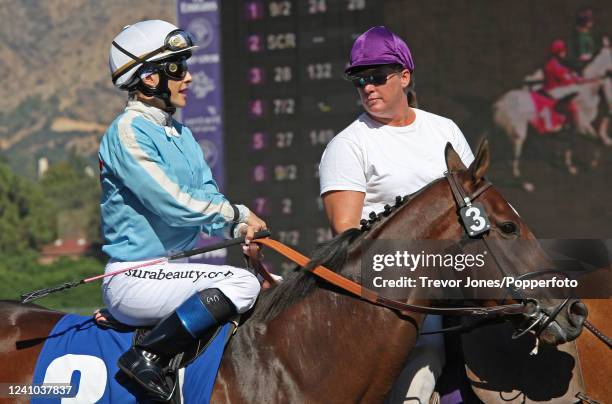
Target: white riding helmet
<point x="145" y="41"/>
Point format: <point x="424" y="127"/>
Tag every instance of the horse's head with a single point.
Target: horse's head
<point x="554" y="321"/>
<point x="440" y="211"/>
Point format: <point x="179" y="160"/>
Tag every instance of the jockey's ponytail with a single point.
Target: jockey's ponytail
<point x="412" y="98"/>
<point x="411" y="94"/>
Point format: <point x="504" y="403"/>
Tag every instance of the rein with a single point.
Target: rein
<point x="596" y="332"/>
<point x="530" y="308"/>
<point x="373" y="297"/>
<point x="369" y="295"/>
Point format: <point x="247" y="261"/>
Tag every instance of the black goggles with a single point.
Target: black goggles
<point x="377" y="77"/>
<point x="177" y="40"/>
<point x="175" y="68"/>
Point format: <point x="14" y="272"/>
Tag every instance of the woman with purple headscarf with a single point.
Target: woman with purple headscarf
<point x="391" y="149"/>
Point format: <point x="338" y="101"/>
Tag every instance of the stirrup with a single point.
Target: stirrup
<point x="137" y="363"/>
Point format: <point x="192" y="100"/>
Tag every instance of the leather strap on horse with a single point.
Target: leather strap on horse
<point x="603" y="337"/>
<point x="373" y="297"/>
<point x="253" y="257"/>
<point x="457" y="189"/>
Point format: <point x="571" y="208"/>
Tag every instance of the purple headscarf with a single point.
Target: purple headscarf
<point x="379" y="46"/>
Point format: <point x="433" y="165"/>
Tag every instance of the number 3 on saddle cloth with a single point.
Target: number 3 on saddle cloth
<point x="84" y="355"/>
<point x="547" y="118"/>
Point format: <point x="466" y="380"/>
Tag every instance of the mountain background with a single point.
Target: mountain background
<point x="56" y="100"/>
<point x="56" y="96"/>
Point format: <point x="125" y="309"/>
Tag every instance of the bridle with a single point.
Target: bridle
<point x="537" y="318"/>
<point x="528" y="307"/>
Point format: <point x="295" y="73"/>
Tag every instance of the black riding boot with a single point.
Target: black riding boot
<point x="193" y="320"/>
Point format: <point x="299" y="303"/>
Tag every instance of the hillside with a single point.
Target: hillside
<point x="56" y="93"/>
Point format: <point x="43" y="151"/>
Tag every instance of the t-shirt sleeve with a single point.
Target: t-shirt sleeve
<point x="342" y="167"/>
<point x="461" y="146"/>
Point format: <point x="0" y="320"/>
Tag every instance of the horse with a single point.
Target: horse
<point x="310" y="341"/>
<point x="515" y="110"/>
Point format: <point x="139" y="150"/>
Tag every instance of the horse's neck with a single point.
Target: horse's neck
<point x="424" y="217"/>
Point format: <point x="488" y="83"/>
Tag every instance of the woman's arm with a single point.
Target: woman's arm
<point x="343" y="209"/>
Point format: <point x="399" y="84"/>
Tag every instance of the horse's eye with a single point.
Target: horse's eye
<point x="508" y="228"/>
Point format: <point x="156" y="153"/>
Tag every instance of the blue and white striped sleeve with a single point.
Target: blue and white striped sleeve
<point x="142" y="170"/>
<point x="226" y="230"/>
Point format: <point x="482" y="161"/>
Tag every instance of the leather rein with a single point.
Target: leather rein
<point x="373" y="297"/>
<point x="530" y="308"/>
<point x="369" y="295"/>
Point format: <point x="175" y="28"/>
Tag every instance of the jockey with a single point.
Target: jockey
<point x="556" y="73"/>
<point x="581" y="45"/>
<point x="158" y="195"/>
<point x="558" y="76"/>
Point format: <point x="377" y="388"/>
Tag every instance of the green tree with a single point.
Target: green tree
<point x="22" y="273"/>
<point x="69" y="189"/>
<point x="25" y="218"/>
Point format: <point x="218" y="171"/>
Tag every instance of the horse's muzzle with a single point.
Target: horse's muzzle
<point x="576" y="314"/>
<point x="567" y="325"/>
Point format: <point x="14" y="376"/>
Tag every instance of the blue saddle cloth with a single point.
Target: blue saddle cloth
<point x="79" y="353"/>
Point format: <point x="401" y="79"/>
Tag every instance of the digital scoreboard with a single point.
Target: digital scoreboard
<point x="284" y="98"/>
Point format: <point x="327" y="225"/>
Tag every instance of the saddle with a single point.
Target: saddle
<point x="546" y="119"/>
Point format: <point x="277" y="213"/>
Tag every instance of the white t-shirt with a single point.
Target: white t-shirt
<point x="386" y="161"/>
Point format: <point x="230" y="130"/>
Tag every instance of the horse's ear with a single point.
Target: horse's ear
<point x="480" y="165"/>
<point x="453" y="161"/>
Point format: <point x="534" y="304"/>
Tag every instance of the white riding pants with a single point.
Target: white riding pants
<point x="143" y="296"/>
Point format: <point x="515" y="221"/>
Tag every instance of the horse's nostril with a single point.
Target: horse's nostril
<point x="577" y="313"/>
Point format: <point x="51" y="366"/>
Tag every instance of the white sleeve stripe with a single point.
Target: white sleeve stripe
<point x="128" y="139"/>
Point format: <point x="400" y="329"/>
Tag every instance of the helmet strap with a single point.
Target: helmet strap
<point x="161" y="91"/>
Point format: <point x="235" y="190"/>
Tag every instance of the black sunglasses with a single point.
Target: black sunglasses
<point x="375" y="78"/>
<point x="175" y="69"/>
